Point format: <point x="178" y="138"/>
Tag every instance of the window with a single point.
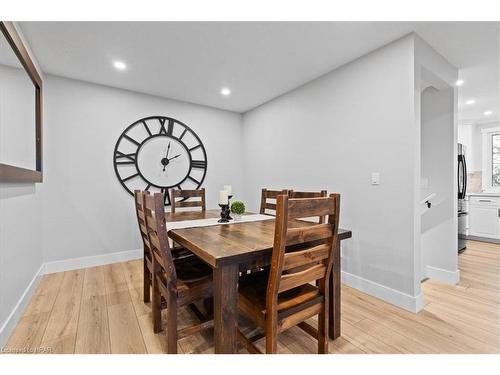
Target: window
<point x="495" y="160"/>
<point x="491" y="159"/>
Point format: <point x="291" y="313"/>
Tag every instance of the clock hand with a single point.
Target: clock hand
<point x="168" y="149"/>
<point x="166" y="157"/>
<point x="176" y="156"/>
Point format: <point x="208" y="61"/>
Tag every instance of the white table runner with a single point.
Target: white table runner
<point x="214" y="221"/>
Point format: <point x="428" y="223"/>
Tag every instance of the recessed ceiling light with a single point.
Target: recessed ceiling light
<point x="470" y="101"/>
<point x="487" y="113"/>
<point x="225" y="91"/>
<point x="459" y="82"/>
<point x="120" y="65"/>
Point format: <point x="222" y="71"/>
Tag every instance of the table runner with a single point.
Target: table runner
<point x="214" y="221"/>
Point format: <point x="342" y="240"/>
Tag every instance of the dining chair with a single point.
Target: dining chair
<point x="268" y="200"/>
<point x="147" y="260"/>
<point x="285" y="295"/>
<point x="178" y="252"/>
<point x="179" y="282"/>
<point x="186" y="194"/>
<point x="309" y="194"/>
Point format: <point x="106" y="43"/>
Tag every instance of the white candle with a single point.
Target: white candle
<point x="223" y="199"/>
<point x="229" y="189"/>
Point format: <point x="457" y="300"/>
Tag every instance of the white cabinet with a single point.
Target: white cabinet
<point x="484" y="217"/>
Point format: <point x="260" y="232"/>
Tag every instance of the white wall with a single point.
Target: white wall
<point x="85" y="210"/>
<point x="432" y="68"/>
<point x="20" y="250"/>
<point x="331" y="134"/>
<point x="438" y="163"/>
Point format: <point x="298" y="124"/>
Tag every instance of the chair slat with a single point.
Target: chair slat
<point x="306" y="256"/>
<point x="301" y="208"/>
<point x="155" y="242"/>
<point x="150" y="220"/>
<point x="270" y="194"/>
<point x="159" y="259"/>
<point x="273" y="194"/>
<point x="200" y="193"/>
<point x="140" y="213"/>
<point x="143" y="230"/>
<point x="187" y="193"/>
<point x="190" y="204"/>
<point x="305" y="314"/>
<point x="270" y="206"/>
<point x="293" y="280"/>
<point x="307" y="194"/>
<point x="307" y="234"/>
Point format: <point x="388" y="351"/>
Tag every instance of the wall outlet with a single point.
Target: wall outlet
<point x="375" y="178"/>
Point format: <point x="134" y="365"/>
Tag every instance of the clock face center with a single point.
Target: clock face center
<point x="163" y="161"/>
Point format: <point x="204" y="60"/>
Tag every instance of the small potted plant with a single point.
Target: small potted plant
<point x="237" y="209"/>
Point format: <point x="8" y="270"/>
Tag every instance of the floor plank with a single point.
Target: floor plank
<point x="125" y="334"/>
<point x="61" y="330"/>
<point x="93" y="328"/>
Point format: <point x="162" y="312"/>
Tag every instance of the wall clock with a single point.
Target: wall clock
<point x="158" y="153"/>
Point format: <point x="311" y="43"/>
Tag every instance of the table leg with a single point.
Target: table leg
<point x="226" y="308"/>
<point x="334" y="300"/>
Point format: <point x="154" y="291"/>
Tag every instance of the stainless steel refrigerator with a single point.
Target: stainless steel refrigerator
<point x="462" y="204"/>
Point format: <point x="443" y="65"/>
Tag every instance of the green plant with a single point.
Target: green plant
<point x="238" y="208"/>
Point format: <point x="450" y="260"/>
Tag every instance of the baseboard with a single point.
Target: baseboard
<point x="91" y="261"/>
<point x="445" y="276"/>
<point x="392" y="296"/>
<point x="483" y="239"/>
<point x="18" y="310"/>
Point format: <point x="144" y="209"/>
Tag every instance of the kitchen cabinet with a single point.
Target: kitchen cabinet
<point x="484" y="217"/>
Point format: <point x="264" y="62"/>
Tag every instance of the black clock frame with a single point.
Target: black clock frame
<point x="163" y="133"/>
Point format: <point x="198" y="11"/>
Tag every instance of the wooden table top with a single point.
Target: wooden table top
<point x="229" y="243"/>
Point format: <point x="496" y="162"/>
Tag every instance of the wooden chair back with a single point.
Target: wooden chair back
<point x="295" y="268"/>
<point x="309" y="194"/>
<point x="268" y="200"/>
<point x="141" y="220"/>
<point x="154" y="213"/>
<point x="186" y="194"/>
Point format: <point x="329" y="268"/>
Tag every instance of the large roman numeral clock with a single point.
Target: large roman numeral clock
<point x="157" y="154"/>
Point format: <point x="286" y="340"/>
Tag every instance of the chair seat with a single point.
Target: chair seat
<point x="194" y="280"/>
<point x="252" y="297"/>
<point x="190" y="268"/>
<point x="177" y="254"/>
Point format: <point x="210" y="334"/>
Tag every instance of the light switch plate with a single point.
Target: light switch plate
<point x="375" y="178"/>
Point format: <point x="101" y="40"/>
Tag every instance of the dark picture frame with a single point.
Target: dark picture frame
<point x="12" y="173"/>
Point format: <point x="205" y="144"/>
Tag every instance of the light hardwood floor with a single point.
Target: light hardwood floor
<point x="100" y="310"/>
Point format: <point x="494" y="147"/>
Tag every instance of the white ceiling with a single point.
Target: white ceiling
<point x="192" y="61"/>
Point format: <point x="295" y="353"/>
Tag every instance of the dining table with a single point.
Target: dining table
<point x="236" y="247"/>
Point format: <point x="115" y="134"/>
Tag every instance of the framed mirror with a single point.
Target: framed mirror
<point x="20" y="110"/>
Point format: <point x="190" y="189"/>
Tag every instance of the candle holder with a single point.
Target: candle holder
<point x="229" y="204"/>
<point x="224" y="213"/>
